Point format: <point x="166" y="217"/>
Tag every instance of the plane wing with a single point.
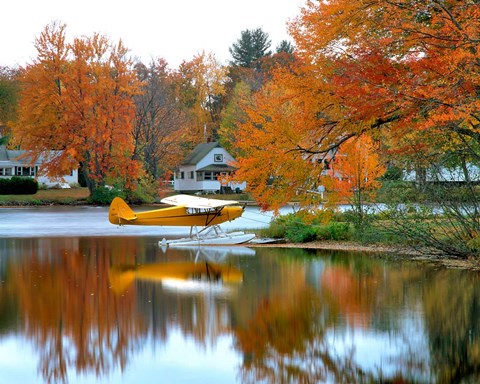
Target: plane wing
<point x="196" y="202"/>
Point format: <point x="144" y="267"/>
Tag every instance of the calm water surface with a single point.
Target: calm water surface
<point x="85" y="302"/>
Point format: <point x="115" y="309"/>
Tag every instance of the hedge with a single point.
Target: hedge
<point x="18" y="186"/>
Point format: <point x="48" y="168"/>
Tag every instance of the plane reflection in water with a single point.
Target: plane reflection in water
<point x="203" y="273"/>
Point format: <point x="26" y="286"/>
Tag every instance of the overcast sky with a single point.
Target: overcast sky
<point x="173" y="29"/>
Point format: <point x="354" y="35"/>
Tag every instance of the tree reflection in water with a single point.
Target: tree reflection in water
<point x="287" y="338"/>
<point x="285" y="342"/>
<point x="281" y="316"/>
<point x="67" y="308"/>
<point x="452" y="305"/>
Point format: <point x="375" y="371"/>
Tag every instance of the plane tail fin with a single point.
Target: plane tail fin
<point x="120" y="212"/>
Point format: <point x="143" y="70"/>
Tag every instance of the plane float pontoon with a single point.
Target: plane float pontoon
<point x="188" y="211"/>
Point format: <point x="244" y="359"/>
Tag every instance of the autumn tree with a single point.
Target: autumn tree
<point x="77" y="100"/>
<point x="252" y="45"/>
<point x="161" y="122"/>
<point x="266" y="150"/>
<point x="409" y="72"/>
<point x="234" y="114"/>
<point x="242" y="84"/>
<point x="201" y="88"/>
<point x="403" y="67"/>
<point x="250" y="69"/>
<point x="403" y="72"/>
<point x="8" y="94"/>
<point x="356" y="170"/>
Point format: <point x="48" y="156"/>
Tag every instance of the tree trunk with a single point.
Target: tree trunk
<point x="84" y="179"/>
<point x="421" y="178"/>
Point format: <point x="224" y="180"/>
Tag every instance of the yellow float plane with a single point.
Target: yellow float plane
<point x="188" y="211"/>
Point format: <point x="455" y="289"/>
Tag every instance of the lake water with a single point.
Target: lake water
<point x="82" y="301"/>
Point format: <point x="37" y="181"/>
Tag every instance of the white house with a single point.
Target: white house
<point x="201" y="170"/>
<point x="441" y="174"/>
<point x="11" y="164"/>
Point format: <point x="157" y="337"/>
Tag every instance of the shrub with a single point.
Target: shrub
<point x="396" y="191"/>
<point x="474" y="245"/>
<point x="18" y="186"/>
<point x="304" y="226"/>
<point x="274" y="230"/>
<point x="145" y="191"/>
<point x="334" y="231"/>
<point x="300" y="233"/>
<point x="290" y="226"/>
<point x="104" y="195"/>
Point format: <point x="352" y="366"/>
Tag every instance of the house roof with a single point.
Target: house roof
<point x="217" y="168"/>
<point x="13" y="156"/>
<point x="3" y="153"/>
<point x="199" y="152"/>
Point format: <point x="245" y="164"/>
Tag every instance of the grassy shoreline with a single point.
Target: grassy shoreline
<point x="70" y="196"/>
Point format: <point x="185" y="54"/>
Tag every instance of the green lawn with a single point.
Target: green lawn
<point x="47" y="196"/>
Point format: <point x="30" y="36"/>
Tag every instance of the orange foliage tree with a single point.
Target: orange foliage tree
<point x="76" y="100"/>
<point x="242" y="83"/>
<point x="268" y="142"/>
<point x="390" y="69"/>
<point x="201" y="88"/>
<point x="407" y="69"/>
<point x="356" y="172"/>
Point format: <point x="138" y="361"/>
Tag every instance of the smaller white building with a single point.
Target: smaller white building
<point x="202" y="170"/>
<point x="11" y="164"/>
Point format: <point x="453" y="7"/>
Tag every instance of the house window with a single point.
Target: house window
<point x="208" y="176"/>
<point x="199" y="176"/>
<point x="6" y="172"/>
<point x="24" y="171"/>
<point x="218" y="158"/>
<point x="190" y="175"/>
<point x="180" y="175"/>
